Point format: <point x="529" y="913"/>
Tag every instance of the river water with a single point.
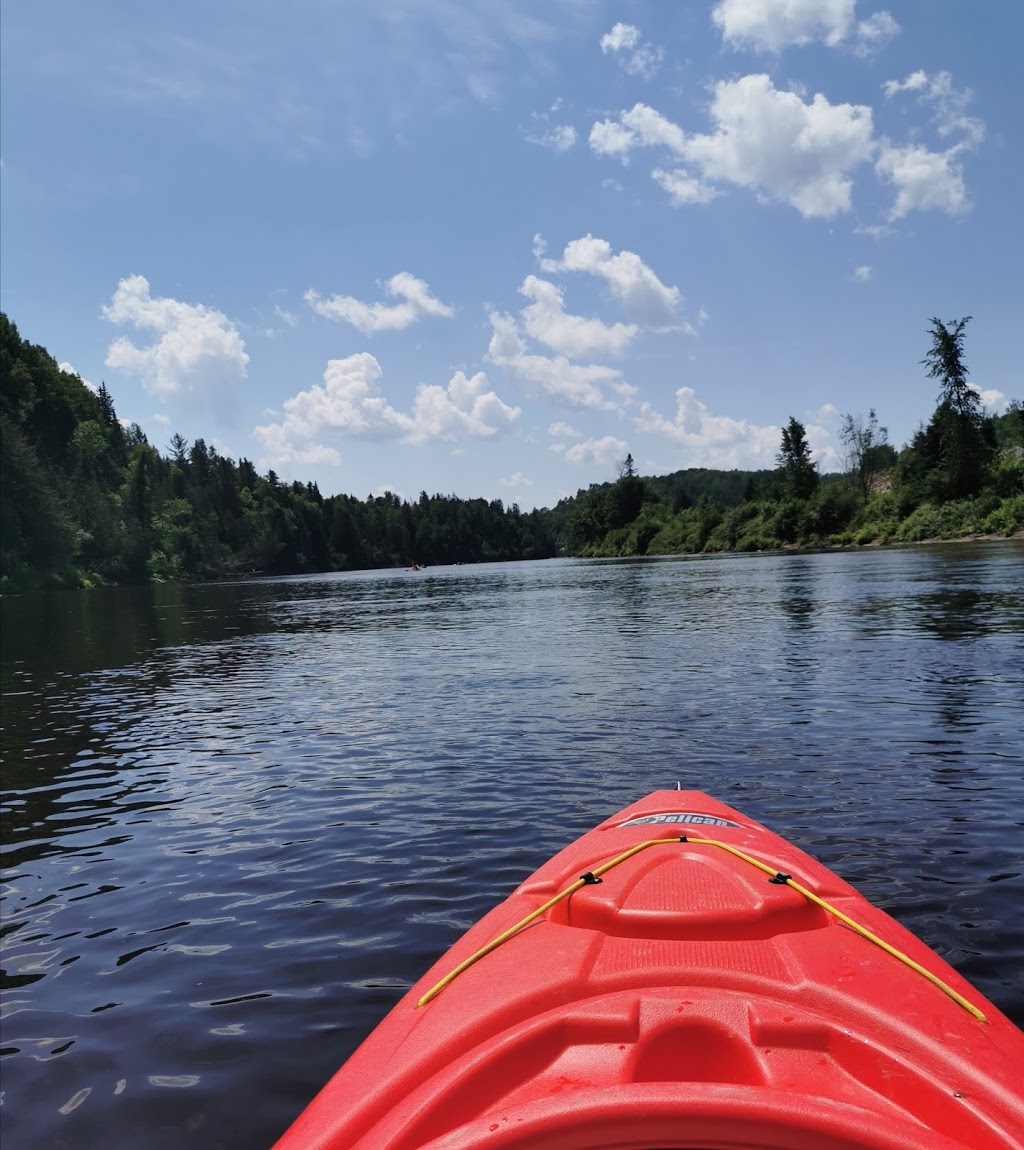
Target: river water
<point x="240" y="820"/>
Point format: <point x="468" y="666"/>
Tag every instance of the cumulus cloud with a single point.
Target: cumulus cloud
<point x="926" y="179"/>
<point x="563" y="430"/>
<point x="771" y="25"/>
<point x="621" y="38"/>
<point x="991" y="397"/>
<point x="764" y="139"/>
<point x="863" y="273"/>
<point x="69" y="370"/>
<point x="640" y="126"/>
<point x="623" y="42"/>
<point x="923" y="180"/>
<point x="802" y="152"/>
<point x="349" y="404"/>
<point x="711" y="440"/>
<point x="606" y="450"/>
<point x="720" y="441"/>
<point x="518" y="479"/>
<point x="576" y="385"/>
<point x="682" y="187"/>
<point x="195" y="346"/>
<point x="643" y="297"/>
<point x="874" y="33"/>
<point x="555" y="137"/>
<point x="578" y="337"/>
<point x="414" y="294"/>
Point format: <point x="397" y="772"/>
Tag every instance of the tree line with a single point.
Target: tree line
<point x="962" y="473"/>
<point x="85" y="499"/>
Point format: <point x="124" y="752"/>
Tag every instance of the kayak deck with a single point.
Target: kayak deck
<point x="685" y="999"/>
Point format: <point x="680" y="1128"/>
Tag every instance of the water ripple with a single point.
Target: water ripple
<point x="239" y="821"/>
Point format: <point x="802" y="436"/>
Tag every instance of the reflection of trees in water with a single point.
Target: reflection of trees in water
<point x="798" y="587"/>
<point x="798" y="603"/>
<point x="632" y="599"/>
<point x="84" y="672"/>
<point x="954" y="705"/>
<point x="98" y="685"/>
<point x="65" y="633"/>
<point x="966" y="612"/>
<point x="393" y="600"/>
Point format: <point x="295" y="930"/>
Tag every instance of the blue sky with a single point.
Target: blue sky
<point x="488" y="248"/>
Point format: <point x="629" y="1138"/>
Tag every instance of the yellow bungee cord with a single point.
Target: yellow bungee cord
<point x="776" y="876"/>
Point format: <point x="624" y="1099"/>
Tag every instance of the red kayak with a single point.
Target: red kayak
<point x="681" y="976"/>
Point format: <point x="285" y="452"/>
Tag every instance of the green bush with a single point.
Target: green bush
<point x="1005" y="519"/>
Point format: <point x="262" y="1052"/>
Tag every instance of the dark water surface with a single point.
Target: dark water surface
<point x="239" y="820"/>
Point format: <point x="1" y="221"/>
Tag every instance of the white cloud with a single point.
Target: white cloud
<point x="572" y="335"/>
<point x="574" y="384"/>
<point x="280" y="450"/>
<point x="69" y="370"/>
<point x="711" y="440"/>
<point x="948" y="104"/>
<point x="606" y="450"/>
<point x="990" y="397"/>
<point x="160" y="419"/>
<point x="286" y="316"/>
<point x="723" y="442"/>
<point x="874" y="33"/>
<point x="516" y="480"/>
<point x="780" y="147"/>
<point x="369" y="318"/>
<point x="562" y="429"/>
<point x="640" y="126"/>
<point x="863" y="273"/>
<point x="771" y="25"/>
<point x="197" y="346"/>
<point x="557" y="138"/>
<point x="621" y="38"/>
<point x="635" y="58"/>
<point x="462" y="410"/>
<point x="348" y="404"/>
<point x="764" y="139"/>
<point x="827" y="413"/>
<point x="923" y="180"/>
<point x="683" y="188"/>
<point x="644" y="298"/>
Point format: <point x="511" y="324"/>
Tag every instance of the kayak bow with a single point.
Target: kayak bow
<point x="681" y="976"/>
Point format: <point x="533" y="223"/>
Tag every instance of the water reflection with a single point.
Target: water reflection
<point x="796" y="598"/>
<point x="238" y="820"/>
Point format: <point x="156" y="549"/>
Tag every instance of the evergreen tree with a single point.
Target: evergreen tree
<point x="799" y="469"/>
<point x="962" y="440"/>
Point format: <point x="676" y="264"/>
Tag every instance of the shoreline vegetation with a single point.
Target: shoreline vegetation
<point x="87" y="501"/>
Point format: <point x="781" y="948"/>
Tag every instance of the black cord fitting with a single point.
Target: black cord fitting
<point x="780" y="879"/>
<point x="683" y="839"/>
<point x="590" y="878"/>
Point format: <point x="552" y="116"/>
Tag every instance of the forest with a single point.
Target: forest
<point x="86" y="500"/>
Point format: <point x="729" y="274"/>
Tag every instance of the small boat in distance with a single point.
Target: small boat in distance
<point x="681" y="976"/>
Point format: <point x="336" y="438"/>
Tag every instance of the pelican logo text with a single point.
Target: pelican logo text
<point x="681" y="817"/>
